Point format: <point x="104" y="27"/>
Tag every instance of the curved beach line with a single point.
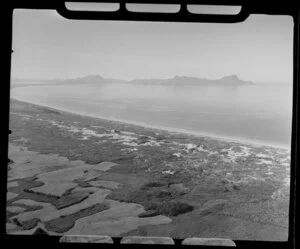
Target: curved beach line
<point x="250" y="142"/>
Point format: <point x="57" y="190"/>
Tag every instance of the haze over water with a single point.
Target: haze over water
<point x="226" y="81"/>
<point x="256" y="113"/>
<point x="260" y="49"/>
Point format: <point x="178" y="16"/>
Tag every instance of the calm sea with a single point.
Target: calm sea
<point x="257" y="113"/>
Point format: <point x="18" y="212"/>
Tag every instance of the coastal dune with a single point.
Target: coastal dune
<point x="73" y="174"/>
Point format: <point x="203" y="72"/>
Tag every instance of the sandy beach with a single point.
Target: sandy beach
<point x="79" y="175"/>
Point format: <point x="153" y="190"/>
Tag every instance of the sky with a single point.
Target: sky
<point x="49" y="46"/>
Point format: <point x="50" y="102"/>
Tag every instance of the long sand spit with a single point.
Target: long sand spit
<point x="62" y="174"/>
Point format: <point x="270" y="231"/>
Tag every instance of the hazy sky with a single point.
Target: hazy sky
<point x="47" y="45"/>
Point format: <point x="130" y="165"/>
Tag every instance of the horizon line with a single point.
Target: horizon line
<point x="154" y="78"/>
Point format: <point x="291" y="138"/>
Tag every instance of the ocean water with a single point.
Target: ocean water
<point x="257" y="113"/>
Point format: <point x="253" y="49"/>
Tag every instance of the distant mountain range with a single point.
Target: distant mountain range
<point x="231" y="80"/>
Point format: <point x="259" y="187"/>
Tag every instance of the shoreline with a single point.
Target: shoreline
<point x="75" y="174"/>
<point x="166" y="129"/>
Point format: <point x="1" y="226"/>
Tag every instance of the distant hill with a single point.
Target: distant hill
<point x="185" y="80"/>
<point x="231" y="80"/>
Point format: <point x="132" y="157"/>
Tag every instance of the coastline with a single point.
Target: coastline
<point x="167" y="129"/>
<point x="73" y="174"/>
